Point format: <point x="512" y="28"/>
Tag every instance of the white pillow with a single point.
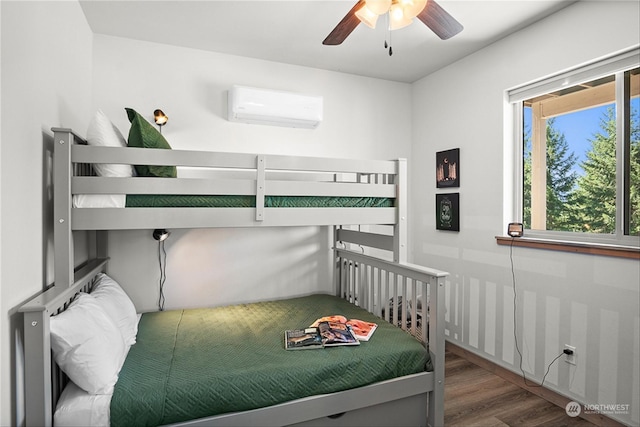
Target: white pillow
<point x="99" y="200"/>
<point x="78" y="408"/>
<point x="87" y="345"/>
<point x="102" y="132"/>
<point x="117" y="305"/>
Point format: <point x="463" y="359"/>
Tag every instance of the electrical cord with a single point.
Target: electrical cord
<point x="162" y="253"/>
<point x="515" y="335"/>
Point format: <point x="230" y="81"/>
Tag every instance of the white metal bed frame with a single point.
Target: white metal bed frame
<point x="364" y="280"/>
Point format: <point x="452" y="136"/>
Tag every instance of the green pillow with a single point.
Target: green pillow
<point x="143" y="135"/>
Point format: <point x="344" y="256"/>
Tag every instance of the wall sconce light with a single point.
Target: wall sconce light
<point x="160" y="118"/>
<point x="161" y="234"/>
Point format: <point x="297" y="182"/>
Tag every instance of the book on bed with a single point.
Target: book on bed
<point x="299" y="339"/>
<point x="359" y="328"/>
<point x="320" y="334"/>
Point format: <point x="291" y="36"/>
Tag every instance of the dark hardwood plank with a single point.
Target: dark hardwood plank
<point x="475" y="396"/>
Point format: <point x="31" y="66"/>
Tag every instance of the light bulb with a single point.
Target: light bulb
<point x="397" y="17"/>
<point x="413" y="7"/>
<point x="159" y="117"/>
<point x="367" y="17"/>
<point x="378" y="6"/>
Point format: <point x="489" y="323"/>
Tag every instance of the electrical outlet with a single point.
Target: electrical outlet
<point x="570" y="358"/>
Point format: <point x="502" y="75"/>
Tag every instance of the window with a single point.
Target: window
<point x="578" y="145"/>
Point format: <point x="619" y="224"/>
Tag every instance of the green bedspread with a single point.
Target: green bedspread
<point x="230" y="201"/>
<point x="194" y="363"/>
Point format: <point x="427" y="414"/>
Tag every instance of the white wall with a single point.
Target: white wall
<point x="588" y="301"/>
<point x="46" y="81"/>
<point x="363" y="117"/>
<point x="2" y="320"/>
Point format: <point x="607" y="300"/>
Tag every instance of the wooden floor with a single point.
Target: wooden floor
<point x="475" y="397"/>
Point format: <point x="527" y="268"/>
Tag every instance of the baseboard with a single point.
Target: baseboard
<point x="514" y="378"/>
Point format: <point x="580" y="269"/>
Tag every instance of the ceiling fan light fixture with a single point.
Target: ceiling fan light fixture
<point x="397" y="24"/>
<point x="412" y="8"/>
<point x="398" y="18"/>
<point x="428" y="12"/>
<point x="379" y="7"/>
<point x="367" y="17"/>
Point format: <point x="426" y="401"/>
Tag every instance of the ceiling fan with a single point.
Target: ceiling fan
<point x="366" y="11"/>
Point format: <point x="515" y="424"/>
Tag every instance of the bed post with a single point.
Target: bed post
<point x="436" y="348"/>
<point x="97" y="244"/>
<point x="37" y="368"/>
<point x="400" y="227"/>
<point x="260" y="186"/>
<point x="62" y="234"/>
<point x="335" y="260"/>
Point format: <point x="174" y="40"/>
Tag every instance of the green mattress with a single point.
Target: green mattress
<point x="225" y="201"/>
<point x="194" y="363"/>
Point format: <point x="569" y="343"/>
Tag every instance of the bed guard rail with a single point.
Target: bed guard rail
<point x="256" y="175"/>
<point x="410" y="296"/>
<point x="400" y="293"/>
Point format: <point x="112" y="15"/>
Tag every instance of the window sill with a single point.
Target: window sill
<point x="575" y="247"/>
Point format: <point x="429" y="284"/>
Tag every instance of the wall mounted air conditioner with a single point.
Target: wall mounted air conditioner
<point x="272" y="107"/>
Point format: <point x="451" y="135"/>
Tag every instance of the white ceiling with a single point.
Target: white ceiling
<point x="292" y="31"/>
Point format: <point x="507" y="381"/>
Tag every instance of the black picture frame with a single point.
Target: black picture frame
<point x="448" y="211"/>
<point x="448" y="168"/>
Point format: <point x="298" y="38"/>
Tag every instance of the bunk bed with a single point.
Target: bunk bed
<point x="372" y="286"/>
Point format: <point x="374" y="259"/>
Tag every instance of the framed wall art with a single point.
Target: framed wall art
<point x="448" y="211"/>
<point x="448" y="168"/>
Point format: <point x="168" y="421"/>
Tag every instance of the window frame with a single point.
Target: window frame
<point x="615" y="64"/>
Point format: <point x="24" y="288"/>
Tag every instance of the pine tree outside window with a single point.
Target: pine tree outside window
<point x="577" y="138"/>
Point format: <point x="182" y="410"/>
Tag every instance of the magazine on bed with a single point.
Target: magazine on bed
<point x="361" y="330"/>
<point x="321" y="334"/>
<point x="336" y="333"/>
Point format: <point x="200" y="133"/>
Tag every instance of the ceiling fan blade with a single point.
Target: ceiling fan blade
<point x="435" y="17"/>
<point x="344" y="27"/>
